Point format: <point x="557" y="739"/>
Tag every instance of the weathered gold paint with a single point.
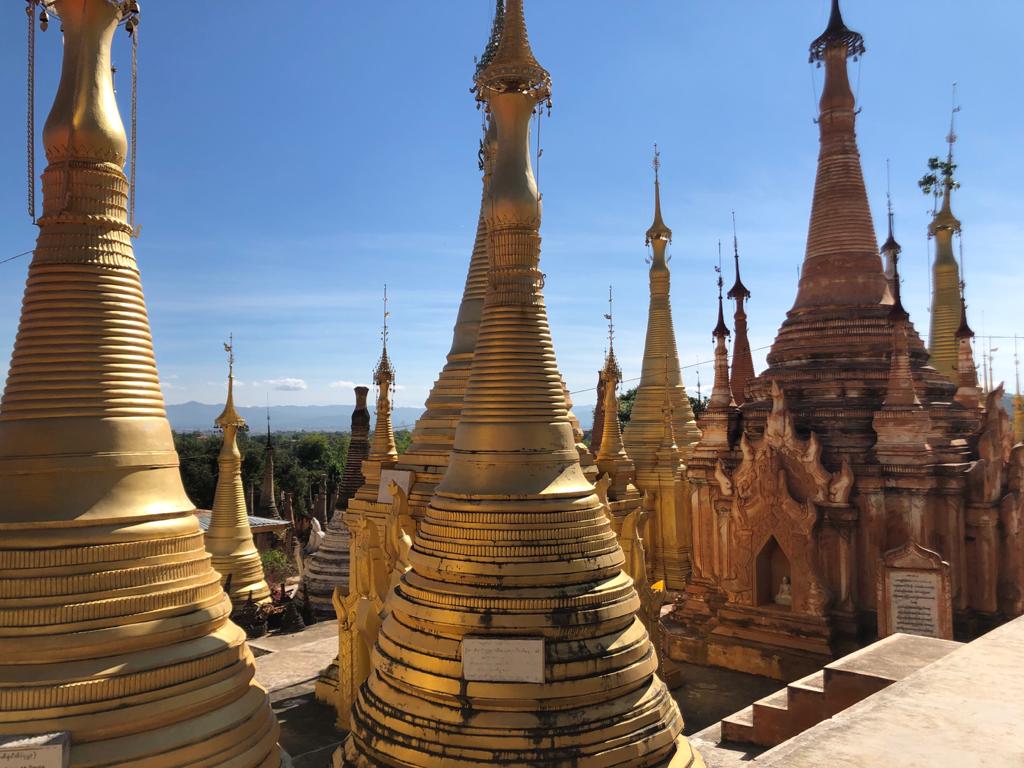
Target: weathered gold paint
<point x="515" y="541"/>
<point x="116" y="627"/>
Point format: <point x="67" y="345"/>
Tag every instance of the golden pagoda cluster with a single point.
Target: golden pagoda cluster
<point x="504" y="593"/>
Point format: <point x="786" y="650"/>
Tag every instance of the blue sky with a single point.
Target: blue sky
<point x="294" y="158"/>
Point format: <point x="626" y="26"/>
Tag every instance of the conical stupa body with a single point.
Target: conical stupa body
<point x="115" y="625"/>
<point x="514" y="550"/>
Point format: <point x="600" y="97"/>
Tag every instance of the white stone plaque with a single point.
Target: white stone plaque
<point x="914" y="597"/>
<point x="402" y="478"/>
<point x="50" y="750"/>
<point x="503" y="659"/>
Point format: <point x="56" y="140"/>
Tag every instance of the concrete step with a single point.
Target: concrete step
<point x="772" y="719"/>
<point x="739" y="727"/>
<point x="806" y="701"/>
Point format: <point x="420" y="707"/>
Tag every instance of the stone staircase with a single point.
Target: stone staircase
<point x="810" y="700"/>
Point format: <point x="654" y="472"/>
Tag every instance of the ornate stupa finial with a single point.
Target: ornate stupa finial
<point x="891" y="249"/>
<point x="611" y="365"/>
<point x="492" y="42"/>
<point x="117" y="627"/>
<point x="659" y="231"/>
<point x="230" y="417"/>
<point x="944" y="218"/>
<point x="512" y="66"/>
<point x="383" y="447"/>
<point x="738" y="291"/>
<point x="721" y="329"/>
<point x="837" y="36"/>
<point x="742" y="358"/>
<point x="963" y="331"/>
<point x="968" y="393"/>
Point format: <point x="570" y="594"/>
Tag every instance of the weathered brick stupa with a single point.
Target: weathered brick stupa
<point x="115" y="627"/>
<point x="513" y="639"/>
<point x="229" y="537"/>
<point x="668" y="529"/>
<point x="945" y="316"/>
<point x="844" y="455"/>
<point x="328" y="567"/>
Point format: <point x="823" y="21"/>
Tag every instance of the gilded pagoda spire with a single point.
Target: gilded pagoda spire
<point x="229" y="537"/>
<point x="661" y="374"/>
<point x="382" y="447"/>
<point x="612" y="459"/>
<point x="742" y="360"/>
<point x="942" y="339"/>
<point x="841" y="266"/>
<point x="135" y="655"/>
<point x="514" y="538"/>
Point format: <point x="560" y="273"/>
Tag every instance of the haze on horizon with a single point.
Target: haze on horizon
<point x="279" y="192"/>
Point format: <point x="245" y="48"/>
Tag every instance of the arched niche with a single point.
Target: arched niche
<point x="772" y="566"/>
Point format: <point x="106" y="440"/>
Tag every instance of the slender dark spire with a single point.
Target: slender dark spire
<point x="964" y="331"/>
<point x="738" y="290"/>
<point x="897" y="313"/>
<point x="721" y="330"/>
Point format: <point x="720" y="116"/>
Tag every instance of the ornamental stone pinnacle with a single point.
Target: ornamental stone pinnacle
<point x="135" y="655"/>
<point x="515" y="540"/>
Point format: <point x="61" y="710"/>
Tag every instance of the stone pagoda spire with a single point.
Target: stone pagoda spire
<point x="841" y="266"/>
<point x="612" y="459"/>
<point x="891" y="249"/>
<point x="597" y="430"/>
<point x="742" y="360"/>
<point x="229" y="537"/>
<point x="721" y="392"/>
<point x="902" y="424"/>
<point x="514" y="540"/>
<point x="329" y="566"/>
<point x="134" y="654"/>
<point x="942" y="339"/>
<point x="668" y="559"/>
<point x="968" y="393"/>
<point x="268" y="497"/>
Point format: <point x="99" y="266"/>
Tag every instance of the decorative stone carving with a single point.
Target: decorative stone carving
<point x="986" y="477"/>
<point x="1011" y="517"/>
<point x="765" y="513"/>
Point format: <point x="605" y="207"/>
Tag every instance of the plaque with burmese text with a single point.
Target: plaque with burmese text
<point x="914" y="594"/>
<point x="48" y="750"/>
<point x="503" y="659"/>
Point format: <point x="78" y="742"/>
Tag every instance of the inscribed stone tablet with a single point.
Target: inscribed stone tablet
<point x="914" y="597"/>
<point x="503" y="660"/>
<point x="402" y="478"/>
<point x="51" y="750"/>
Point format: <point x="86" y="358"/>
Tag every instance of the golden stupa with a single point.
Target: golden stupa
<point x="942" y="340"/>
<point x="229" y="537"/>
<point x="668" y="552"/>
<point x="514" y="639"/>
<point x="115" y="627"/>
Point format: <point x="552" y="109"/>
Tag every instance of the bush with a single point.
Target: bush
<point x="277" y="566"/>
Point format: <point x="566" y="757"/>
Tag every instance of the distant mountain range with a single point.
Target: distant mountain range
<point x="199" y="417"/>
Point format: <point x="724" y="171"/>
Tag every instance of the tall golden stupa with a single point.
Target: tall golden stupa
<point x="945" y="319"/>
<point x="229" y="537"/>
<point x="660" y="377"/>
<point x="115" y="627"/>
<point x="514" y="639"/>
